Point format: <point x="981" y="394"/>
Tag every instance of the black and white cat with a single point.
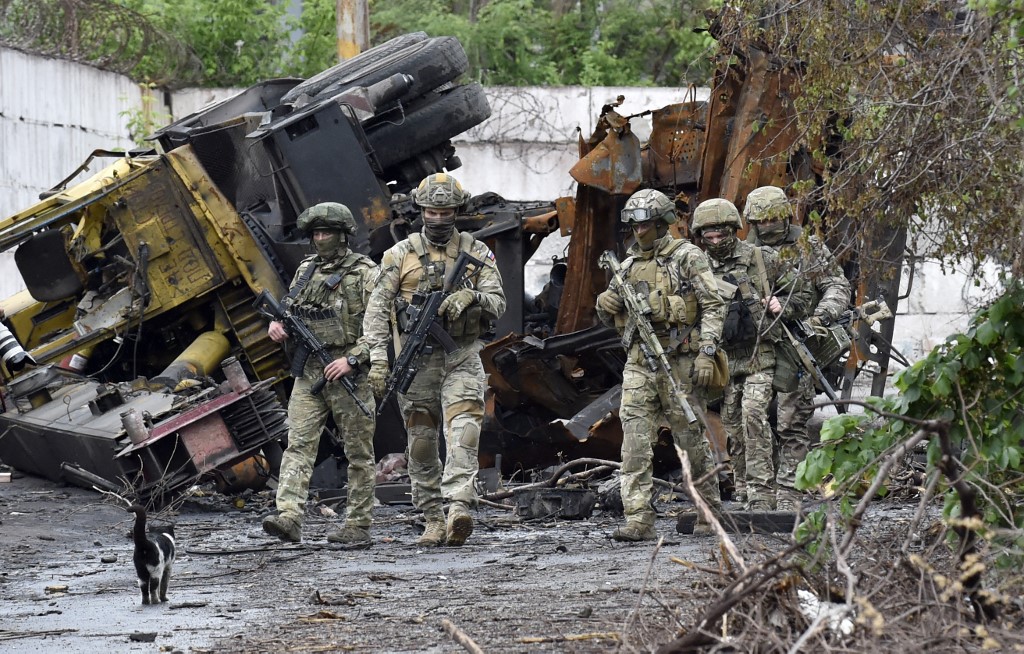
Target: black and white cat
<point x="154" y="555"/>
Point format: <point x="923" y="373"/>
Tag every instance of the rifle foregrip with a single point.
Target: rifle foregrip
<point x="318" y="387"/>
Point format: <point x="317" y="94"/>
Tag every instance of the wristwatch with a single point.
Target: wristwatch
<point x="708" y="350"/>
<point x="353" y="362"/>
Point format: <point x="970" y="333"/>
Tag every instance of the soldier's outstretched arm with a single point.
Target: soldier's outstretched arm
<point x="491" y="295"/>
<point x="794" y="293"/>
<point x="361" y="348"/>
<point x="832" y="285"/>
<point x="713" y="309"/>
<point x="377" y="320"/>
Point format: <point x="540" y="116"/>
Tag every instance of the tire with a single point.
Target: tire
<point x="429" y="123"/>
<point x="354" y="66"/>
<point x="430" y="62"/>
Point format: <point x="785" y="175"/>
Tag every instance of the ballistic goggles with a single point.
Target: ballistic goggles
<point x="637" y="215"/>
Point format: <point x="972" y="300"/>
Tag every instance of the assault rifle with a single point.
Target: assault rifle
<point x="308" y="344"/>
<point x="638" y="323"/>
<point x="799" y="332"/>
<point x="423" y="321"/>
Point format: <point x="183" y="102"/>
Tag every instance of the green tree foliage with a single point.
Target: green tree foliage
<point x="240" y="42"/>
<point x="509" y="42"/>
<point x="975" y="382"/>
<point x="921" y="96"/>
<point x="586" y="42"/>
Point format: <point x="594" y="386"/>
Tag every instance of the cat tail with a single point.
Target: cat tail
<point x="139" y="533"/>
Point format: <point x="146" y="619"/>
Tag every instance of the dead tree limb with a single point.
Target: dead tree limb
<point x="704" y="510"/>
<point x="460" y="637"/>
<point x="985" y="610"/>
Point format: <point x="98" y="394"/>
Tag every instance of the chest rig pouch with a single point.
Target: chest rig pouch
<point x="432" y="275"/>
<point x="663" y="273"/>
<point x="331" y="304"/>
<point x="739" y="330"/>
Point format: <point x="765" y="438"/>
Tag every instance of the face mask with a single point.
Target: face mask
<point x="723" y="248"/>
<point x="439" y="230"/>
<point x="327" y="248"/>
<point x="646" y="240"/>
<point x="772" y="233"/>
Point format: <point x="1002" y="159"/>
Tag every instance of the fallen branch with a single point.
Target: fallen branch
<point x="604" y="465"/>
<point x="15" y="635"/>
<point x="705" y="510"/>
<point x="460" y="637"/>
<point x="597" y="635"/>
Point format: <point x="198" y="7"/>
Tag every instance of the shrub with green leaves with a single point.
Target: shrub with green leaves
<point x="974" y="382"/>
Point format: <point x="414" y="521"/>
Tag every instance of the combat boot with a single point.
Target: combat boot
<point x="435" y="532"/>
<point x="460" y="524"/>
<point x="284" y="527"/>
<point x="635" y="532"/>
<point x="702" y="527"/>
<point x="351" y="535"/>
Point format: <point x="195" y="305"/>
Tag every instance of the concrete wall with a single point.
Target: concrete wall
<point x="54" y="113"/>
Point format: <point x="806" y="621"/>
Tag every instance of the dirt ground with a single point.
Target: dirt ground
<point x="67" y="582"/>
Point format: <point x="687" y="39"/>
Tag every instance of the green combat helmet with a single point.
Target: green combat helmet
<point x="440" y="191"/>
<point x="767" y="204"/>
<point x="717" y="212"/>
<point x="649" y="204"/>
<point x="327" y="215"/>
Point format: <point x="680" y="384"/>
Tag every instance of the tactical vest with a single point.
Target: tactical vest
<point x="331" y="302"/>
<point x="663" y="272"/>
<point x="430" y="277"/>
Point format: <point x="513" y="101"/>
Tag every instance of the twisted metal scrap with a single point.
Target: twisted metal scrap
<point x="101" y="34"/>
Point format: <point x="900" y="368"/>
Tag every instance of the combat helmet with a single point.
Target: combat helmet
<point x="767" y="204"/>
<point x="327" y="215"/>
<point x="439" y="191"/>
<point x="716" y="212"/>
<point x="649" y="204"/>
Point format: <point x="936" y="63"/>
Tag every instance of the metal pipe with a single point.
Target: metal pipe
<point x="197" y="360"/>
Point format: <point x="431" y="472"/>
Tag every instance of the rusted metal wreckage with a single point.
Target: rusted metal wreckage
<point x="153" y="369"/>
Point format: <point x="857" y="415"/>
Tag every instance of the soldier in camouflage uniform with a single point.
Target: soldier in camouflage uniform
<point x="687" y="314"/>
<point x="765" y="288"/>
<point x="770" y="216"/>
<point x="449" y="388"/>
<point x="329" y="294"/>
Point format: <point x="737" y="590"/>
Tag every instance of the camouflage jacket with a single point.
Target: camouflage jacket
<point x="331" y="297"/>
<point x="680" y="270"/>
<point x="402" y="274"/>
<point x="781" y="281"/>
<point x="819" y="270"/>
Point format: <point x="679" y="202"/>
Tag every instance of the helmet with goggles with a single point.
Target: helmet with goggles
<point x="648" y="204"/>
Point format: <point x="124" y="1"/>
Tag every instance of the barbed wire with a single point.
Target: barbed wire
<point x="101" y="34"/>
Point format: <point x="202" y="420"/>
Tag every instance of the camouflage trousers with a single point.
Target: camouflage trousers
<point x="745" y="417"/>
<point x="448" y="390"/>
<point x="794" y="410"/>
<point x="307" y="415"/>
<point x="647" y="403"/>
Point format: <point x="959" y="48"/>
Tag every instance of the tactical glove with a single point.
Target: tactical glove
<point x="703" y="370"/>
<point x="610" y="302"/>
<point x="453" y="305"/>
<point x="377" y="378"/>
<point x="659" y="306"/>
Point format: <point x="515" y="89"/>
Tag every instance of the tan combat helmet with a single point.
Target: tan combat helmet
<point x="716" y="212"/>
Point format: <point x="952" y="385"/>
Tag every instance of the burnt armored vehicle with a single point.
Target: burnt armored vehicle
<point x="152" y="366"/>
